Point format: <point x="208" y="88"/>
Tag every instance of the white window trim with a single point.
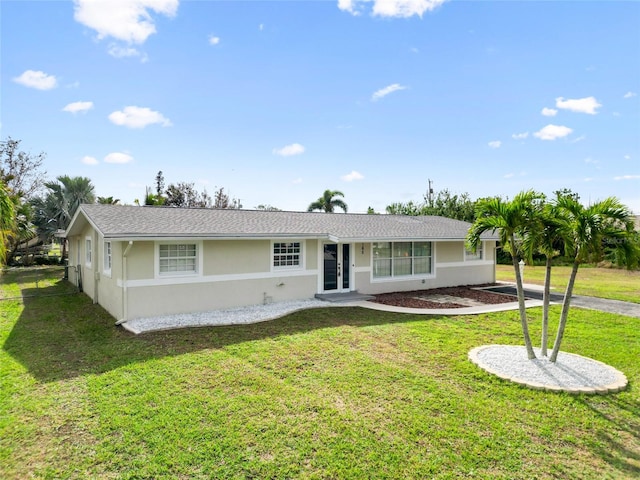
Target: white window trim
<point x="199" y="259"/>
<point x="88" y="251"/>
<point x="413" y="276"/>
<point x="107" y="254"/>
<point x="474" y="258"/>
<point x="302" y="264"/>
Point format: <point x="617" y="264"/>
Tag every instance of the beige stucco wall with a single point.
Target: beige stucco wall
<point x="449" y="252"/>
<point x="141" y="261"/>
<point x="224" y="257"/>
<point x="109" y="292"/>
<point x="160" y="300"/>
<point x="311" y="254"/>
<point x="217" y="286"/>
<point x="77" y="260"/>
<point x="362" y="259"/>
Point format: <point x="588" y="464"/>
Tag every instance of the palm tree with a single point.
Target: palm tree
<point x="327" y="202"/>
<point x="23" y="229"/>
<point x="56" y="210"/>
<point x="590" y="227"/>
<point x="545" y="238"/>
<point x="511" y="219"/>
<point x="7" y="219"/>
<point x="107" y="200"/>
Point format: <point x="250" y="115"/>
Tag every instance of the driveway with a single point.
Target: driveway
<point x="628" y="309"/>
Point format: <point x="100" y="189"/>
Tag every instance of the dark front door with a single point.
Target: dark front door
<point x="336" y="268"/>
<point x="346" y="262"/>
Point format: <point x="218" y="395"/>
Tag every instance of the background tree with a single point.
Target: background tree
<point x="55" y="211"/>
<point x="23" y="177"/>
<point x="222" y="200"/>
<point x="107" y="200"/>
<point x="450" y="205"/>
<point x="511" y="219"/>
<point x="328" y="202"/>
<point x="587" y="230"/>
<point x="443" y="204"/>
<point x="24" y="230"/>
<point x="267" y="208"/>
<point x="153" y="199"/>
<point x="159" y="183"/>
<point x="185" y="195"/>
<point x="7" y="219"/>
<point x="408" y="208"/>
<point x="20" y="171"/>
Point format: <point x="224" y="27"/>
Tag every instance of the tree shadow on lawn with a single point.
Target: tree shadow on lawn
<point x="67" y="336"/>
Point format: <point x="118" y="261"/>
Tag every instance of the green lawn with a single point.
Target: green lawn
<point x="326" y="393"/>
<point x="596" y="282"/>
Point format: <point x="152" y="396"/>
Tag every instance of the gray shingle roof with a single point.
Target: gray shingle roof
<point x="133" y="222"/>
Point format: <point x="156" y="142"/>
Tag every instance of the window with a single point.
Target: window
<point x="287" y="255"/>
<point x="87" y="252"/>
<point x="178" y="258"/>
<point x="401" y="259"/>
<point x="107" y="257"/>
<point x="469" y="255"/>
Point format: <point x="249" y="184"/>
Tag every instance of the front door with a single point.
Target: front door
<point x="336" y="268"/>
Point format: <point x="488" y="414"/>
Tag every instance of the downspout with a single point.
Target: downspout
<point x="125" y="296"/>
<point x="96" y="267"/>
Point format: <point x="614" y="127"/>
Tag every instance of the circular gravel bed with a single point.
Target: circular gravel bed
<point x="570" y="373"/>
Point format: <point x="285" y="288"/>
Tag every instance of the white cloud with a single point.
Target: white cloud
<point x="118" y="157"/>
<point x="551" y="132"/>
<point x="579" y="139"/>
<point x="87" y="160"/>
<point x="383" y="92"/>
<point x="630" y="95"/>
<point x="118" y="51"/>
<point x="549" y="112"/>
<point x="78" y="107"/>
<point x="37" y="79"/>
<point x="261" y="27"/>
<point x="627" y="157"/>
<point x="520" y="136"/>
<point x="509" y="175"/>
<point x="289" y="150"/>
<point x="297" y="181"/>
<point x="126" y="20"/>
<point x="591" y="161"/>
<point x="495" y="144"/>
<point x="350" y="6"/>
<point x="138" y="117"/>
<point x="580" y="105"/>
<point x="213" y="40"/>
<point x="350" y="177"/>
<point x="627" y="177"/>
<point x="391" y="8"/>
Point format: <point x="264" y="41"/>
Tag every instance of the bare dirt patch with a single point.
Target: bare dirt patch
<point x="420" y="298"/>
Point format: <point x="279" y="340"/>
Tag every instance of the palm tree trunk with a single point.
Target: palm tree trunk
<point x="521" y="307"/>
<point x="545" y="308"/>
<point x="566" y="303"/>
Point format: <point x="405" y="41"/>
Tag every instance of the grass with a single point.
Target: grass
<point x="325" y="393"/>
<point x="591" y="281"/>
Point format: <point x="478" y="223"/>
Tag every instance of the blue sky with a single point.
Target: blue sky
<point x="277" y="101"/>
